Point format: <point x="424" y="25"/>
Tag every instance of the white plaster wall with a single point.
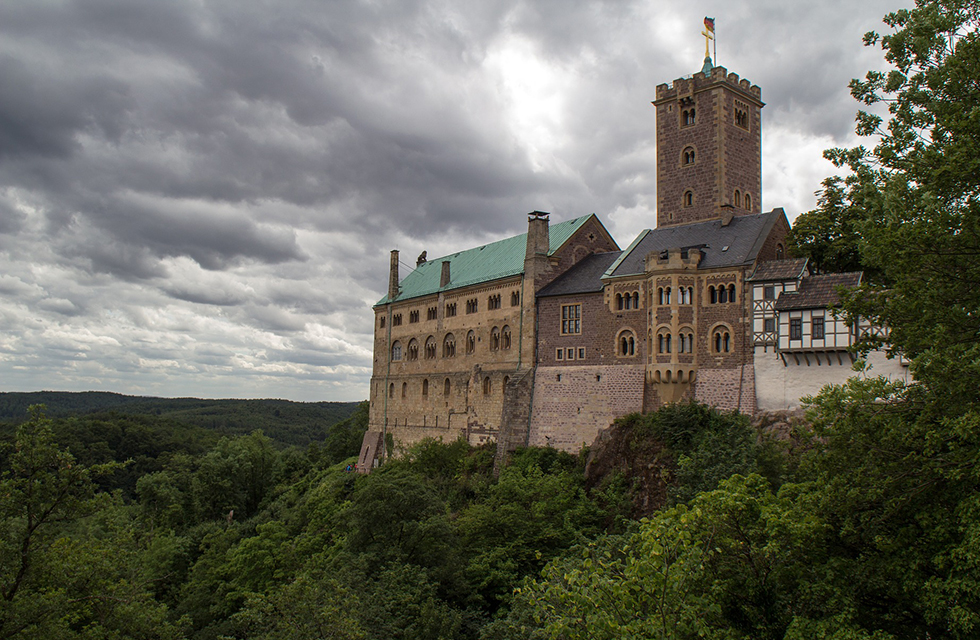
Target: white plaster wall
<point x="779" y="387"/>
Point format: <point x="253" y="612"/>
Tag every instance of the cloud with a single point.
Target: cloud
<point x="199" y="198"/>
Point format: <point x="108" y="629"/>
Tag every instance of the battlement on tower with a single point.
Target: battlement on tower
<point x="701" y="82"/>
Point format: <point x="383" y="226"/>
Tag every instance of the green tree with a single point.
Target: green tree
<point x="72" y="563"/>
<point x="918" y="192"/>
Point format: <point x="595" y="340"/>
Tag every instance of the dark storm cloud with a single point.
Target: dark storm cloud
<point x="200" y="196"/>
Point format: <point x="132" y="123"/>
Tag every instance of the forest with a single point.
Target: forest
<point x="861" y="522"/>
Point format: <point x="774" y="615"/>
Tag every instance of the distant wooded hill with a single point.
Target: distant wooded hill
<point x="287" y="422"/>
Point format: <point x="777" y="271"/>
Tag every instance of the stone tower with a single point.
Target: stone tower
<point x="709" y="147"/>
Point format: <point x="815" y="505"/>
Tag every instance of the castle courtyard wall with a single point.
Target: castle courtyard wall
<point x="571" y="404"/>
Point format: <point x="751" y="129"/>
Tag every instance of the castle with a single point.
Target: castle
<point x="545" y="338"/>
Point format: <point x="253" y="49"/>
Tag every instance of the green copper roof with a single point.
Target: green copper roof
<point x="493" y="261"/>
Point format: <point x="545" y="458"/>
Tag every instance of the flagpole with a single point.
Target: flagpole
<point x="715" y="44"/>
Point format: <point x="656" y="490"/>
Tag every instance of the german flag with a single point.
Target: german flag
<point x="709" y="24"/>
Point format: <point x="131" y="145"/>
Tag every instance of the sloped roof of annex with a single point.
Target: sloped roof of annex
<point x="486" y="263"/>
<point x="736" y="244"/>
<point x="818" y="292"/>
<point x="777" y="270"/>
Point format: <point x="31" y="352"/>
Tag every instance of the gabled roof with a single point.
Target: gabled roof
<point x="736" y="244"/>
<point x="501" y="259"/>
<point x="818" y="292"/>
<point x="792" y="269"/>
<point x="584" y="277"/>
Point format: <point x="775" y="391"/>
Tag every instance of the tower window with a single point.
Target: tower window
<point x="748" y="201"/>
<point x="688" y="156"/>
<point x="738" y="198"/>
<point x="741" y="115"/>
<point x="688" y="198"/>
<point x="687" y="117"/>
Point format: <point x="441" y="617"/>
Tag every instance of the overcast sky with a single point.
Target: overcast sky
<point x="198" y="198"/>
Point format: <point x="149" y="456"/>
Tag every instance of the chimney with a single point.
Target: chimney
<point x="727" y="213"/>
<point x="444" y="278"/>
<point x="393" y="276"/>
<point x="538" y="242"/>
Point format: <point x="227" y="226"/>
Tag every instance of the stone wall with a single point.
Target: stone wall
<point x="727" y="389"/>
<point x="573" y="403"/>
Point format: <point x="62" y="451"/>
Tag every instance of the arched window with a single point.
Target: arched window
<point x="425" y="388"/>
<point x="396" y="350"/>
<point x="779" y="252"/>
<point x="413" y="350"/>
<point x="688" y="198"/>
<point x="748" y="201"/>
<point x="722" y="294"/>
<point x="688" y="156"/>
<point x="667" y="295"/>
<point x="430" y="348"/>
<point x="636" y="299"/>
<point x="404" y="389"/>
<point x="391" y="390"/>
<point x="445" y="387"/>
<point x="738" y="198"/>
<point x="505" y="338"/>
<point x="722" y="340"/>
<point x="688" y="117"/>
<point x="470" y="343"/>
<point x="449" y="346"/>
<point x="627" y="343"/>
<point x="713" y="295"/>
<point x="731" y="293"/>
<point x="619" y="302"/>
<point x="660" y="295"/>
<point x="494" y="339"/>
<point x="664" y="343"/>
<point x="487" y="386"/>
<point x="506" y="380"/>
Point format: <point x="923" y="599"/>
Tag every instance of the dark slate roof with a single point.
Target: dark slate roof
<point x="737" y="244"/>
<point x="793" y="269"/>
<point x="584" y="277"/>
<point x="818" y="292"/>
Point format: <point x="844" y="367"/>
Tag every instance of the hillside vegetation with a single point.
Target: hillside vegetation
<point x="286" y="422"/>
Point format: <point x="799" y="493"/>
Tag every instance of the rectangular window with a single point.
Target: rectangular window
<point x="581" y="353"/>
<point x="571" y="319"/>
<point x="769" y="292"/>
<point x="570" y="354"/>
<point x="560" y="354"/>
<point x="817" y="326"/>
<point x="769" y="325"/>
<point x="796" y="328"/>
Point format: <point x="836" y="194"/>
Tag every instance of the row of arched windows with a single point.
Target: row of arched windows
<point x="446" y="387"/>
<point x="685" y="295"/>
<point x="721" y="294"/>
<point x="742" y="201"/>
<point x="500" y="340"/>
<point x="684" y="344"/>
<point x="628" y="301"/>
